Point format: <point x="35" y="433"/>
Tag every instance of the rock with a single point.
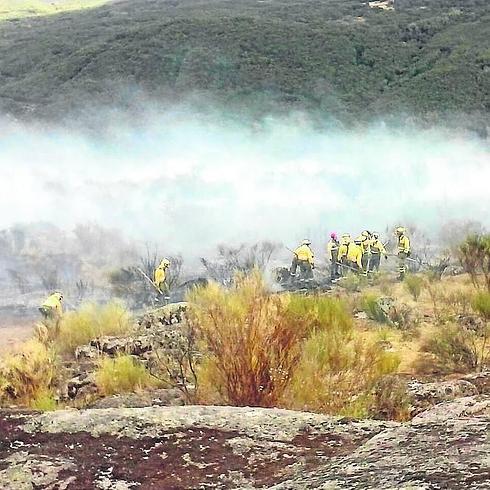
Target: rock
<point x="246" y="448"/>
<point x="425" y="395"/>
<point x="450" y="451"/>
<point x="170" y="314"/>
<point x="454" y="409"/>
<point x="162" y="398"/>
<point x="480" y="380"/>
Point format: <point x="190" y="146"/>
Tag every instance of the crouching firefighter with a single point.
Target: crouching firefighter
<point x="403" y="251"/>
<point x="160" y="279"/>
<point x="304" y="259"/>
<point x="52" y="308"/>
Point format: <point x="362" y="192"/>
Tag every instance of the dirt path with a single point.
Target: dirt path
<point x="13" y="332"/>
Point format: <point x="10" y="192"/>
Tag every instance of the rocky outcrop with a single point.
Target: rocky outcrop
<point x="226" y="447"/>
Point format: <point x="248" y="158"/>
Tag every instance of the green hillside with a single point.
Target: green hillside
<point x="426" y="58"/>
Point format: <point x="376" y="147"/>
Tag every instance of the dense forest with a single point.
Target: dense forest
<point x="348" y="60"/>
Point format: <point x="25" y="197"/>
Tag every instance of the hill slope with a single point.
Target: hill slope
<point x="428" y="58"/>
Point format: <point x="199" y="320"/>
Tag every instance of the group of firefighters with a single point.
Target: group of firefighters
<point x="360" y="255"/>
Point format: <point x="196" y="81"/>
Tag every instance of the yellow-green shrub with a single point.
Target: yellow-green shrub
<point x="413" y="284"/>
<point x="29" y="374"/>
<point x="337" y="373"/>
<point x="481" y="304"/>
<point x="92" y="321"/>
<point x="122" y="374"/>
<point x="253" y="338"/>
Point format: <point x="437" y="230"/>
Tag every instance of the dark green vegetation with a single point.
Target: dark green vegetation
<point x="427" y="58"/>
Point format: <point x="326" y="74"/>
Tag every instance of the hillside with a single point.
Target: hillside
<point x="339" y="58"/>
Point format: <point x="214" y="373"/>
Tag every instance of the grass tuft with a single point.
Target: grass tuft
<point x="123" y="374"/>
<point x="89" y="322"/>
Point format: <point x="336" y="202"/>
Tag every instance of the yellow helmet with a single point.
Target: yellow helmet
<point x="306" y="241"/>
<point x="365" y="234"/>
<point x="400" y="230"/>
<point x="164" y="263"/>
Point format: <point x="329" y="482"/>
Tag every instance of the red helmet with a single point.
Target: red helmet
<point x="333" y="235"/>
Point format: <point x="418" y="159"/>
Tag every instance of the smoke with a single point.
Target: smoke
<point x="190" y="182"/>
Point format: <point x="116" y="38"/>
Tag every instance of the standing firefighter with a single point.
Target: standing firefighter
<point x="366" y="250"/>
<point x="354" y="254"/>
<point x="377" y="249"/>
<point x="160" y="278"/>
<point x="403" y="251"/>
<point x="344" y="248"/>
<point x="52" y="308"/>
<point x="304" y="259"/>
<point x="333" y="256"/>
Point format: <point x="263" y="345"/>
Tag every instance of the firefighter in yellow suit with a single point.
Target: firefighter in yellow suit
<point x="354" y="254"/>
<point x="377" y="249"/>
<point x="160" y="277"/>
<point x="403" y="251"/>
<point x="304" y="259"/>
<point x="52" y="308"/>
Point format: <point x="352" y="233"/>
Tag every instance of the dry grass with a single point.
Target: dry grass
<point x="338" y="372"/>
<point x="253" y="338"/>
<point x="28" y="376"/>
<point x="123" y="374"/>
<point x="89" y="322"/>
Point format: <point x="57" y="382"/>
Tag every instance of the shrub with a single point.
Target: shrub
<point x="337" y="373"/>
<point x="44" y="401"/>
<point x="413" y="284"/>
<point x="253" y="338"/>
<point x="370" y="304"/>
<point x="352" y="282"/>
<point x="29" y="375"/>
<point x="123" y="374"/>
<point x="391" y="400"/>
<point x="458" y="348"/>
<point x="92" y="321"/>
<point x="481" y="305"/>
<point x="474" y="255"/>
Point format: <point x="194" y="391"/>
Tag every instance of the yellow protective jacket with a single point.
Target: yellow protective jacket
<point x="343" y="249"/>
<point x="333" y="250"/>
<point x="377" y="247"/>
<point x="354" y="254"/>
<point x="403" y="244"/>
<point x="304" y="253"/>
<point x="366" y="245"/>
<point x="54" y="302"/>
<point x="160" y="275"/>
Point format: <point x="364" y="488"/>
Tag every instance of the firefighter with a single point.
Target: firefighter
<point x="160" y="278"/>
<point x="366" y="250"/>
<point x="304" y="259"/>
<point x="354" y="254"/>
<point x="52" y="308"/>
<point x="377" y="249"/>
<point x="403" y="251"/>
<point x="344" y="248"/>
<point x="333" y="256"/>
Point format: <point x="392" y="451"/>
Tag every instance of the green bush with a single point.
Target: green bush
<point x="371" y="306"/>
<point x="481" y="304"/>
<point x="123" y="374"/>
<point x="413" y="284"/>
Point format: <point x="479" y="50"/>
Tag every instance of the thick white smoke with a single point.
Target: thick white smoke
<point x="190" y="183"/>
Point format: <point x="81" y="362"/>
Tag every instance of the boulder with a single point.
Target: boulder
<point x="229" y="448"/>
